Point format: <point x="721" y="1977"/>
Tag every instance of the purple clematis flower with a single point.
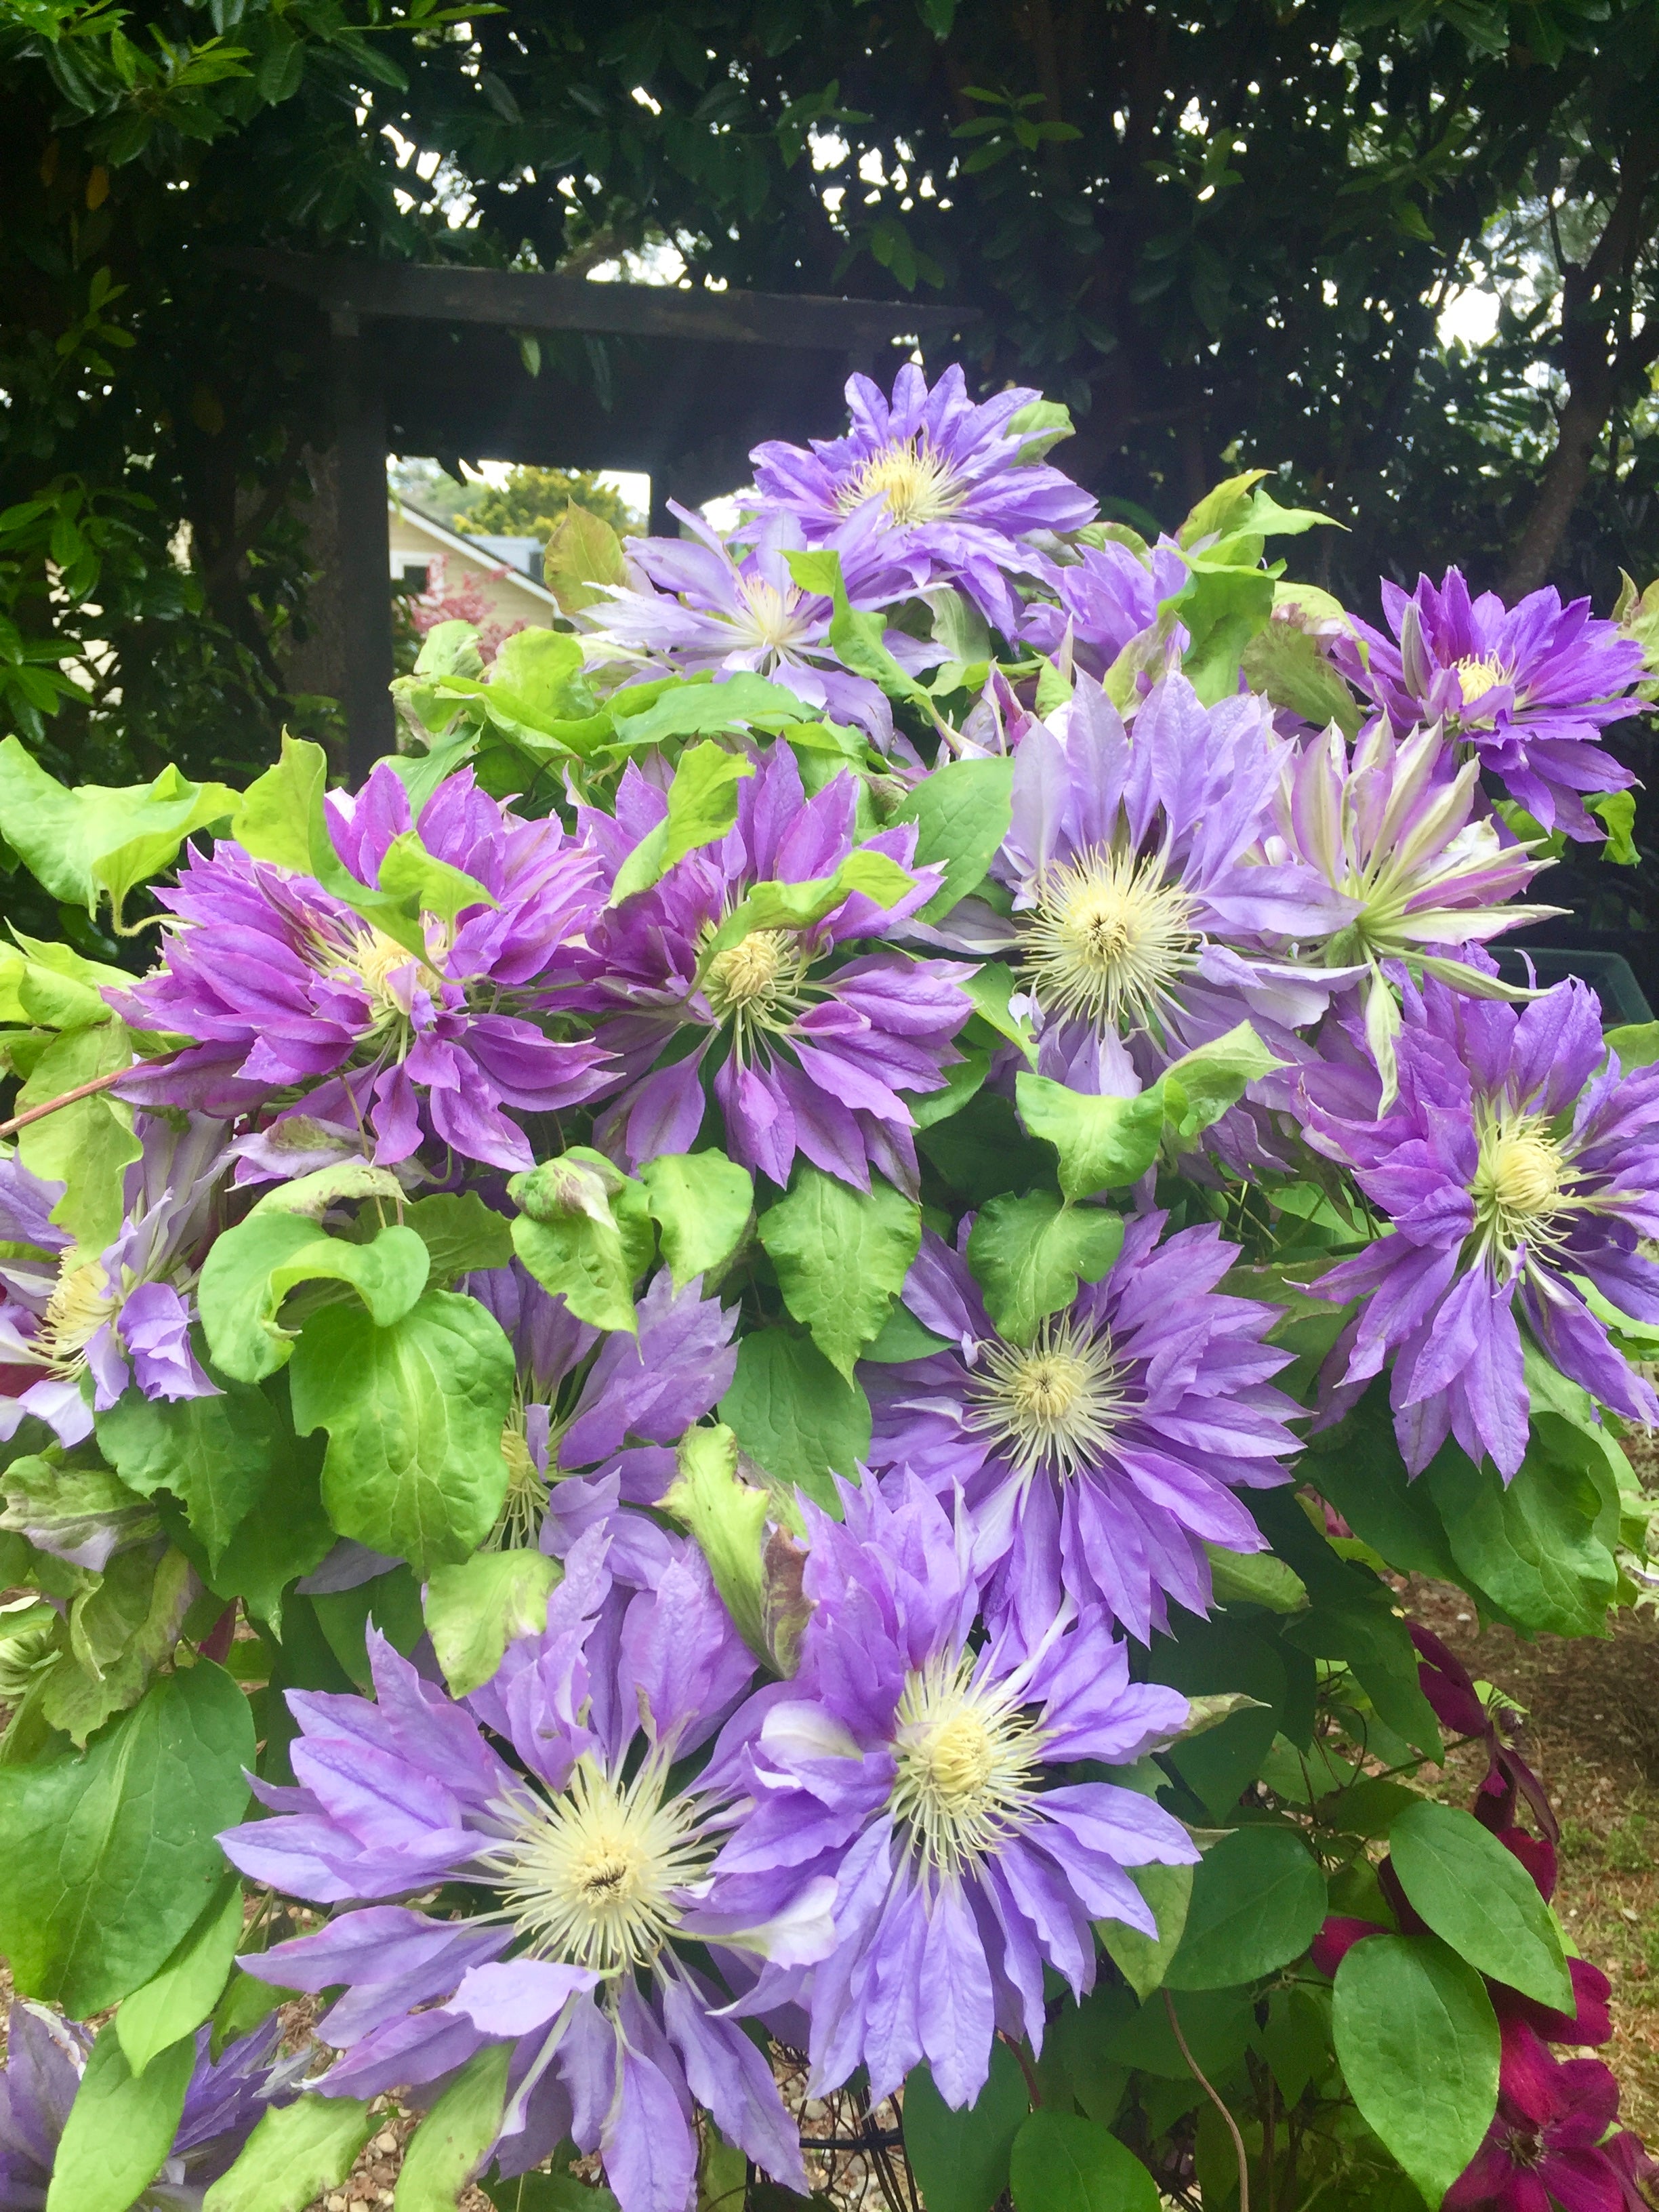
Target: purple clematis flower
<point x="123" y="1316"/>
<point x="1098" y="1460"/>
<point x="46" y="2057"/>
<point x="926" y="488"/>
<point x="1106" y="602"/>
<point x="1529" y="688"/>
<point x="715" y="605"/>
<point x="805" y="1055"/>
<point x="914" y="1763"/>
<point x="1507" y="1166"/>
<point x="548" y="1792"/>
<point x="288" y="988"/>
<point x="632" y="1403"/>
<point x="1144" y="918"/>
<point x="1386" y="826"/>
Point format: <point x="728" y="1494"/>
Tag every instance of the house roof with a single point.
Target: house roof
<point x="480" y="551"/>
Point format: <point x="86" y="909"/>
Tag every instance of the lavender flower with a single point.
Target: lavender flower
<point x="631" y="1407"/>
<point x="289" y="989"/>
<point x="725" y="610"/>
<point x="805" y="1056"/>
<point x="916" y="1764"/>
<point x="1530" y="689"/>
<point x="122" y="1316"/>
<point x="594" y="1869"/>
<point x="1105" y="603"/>
<point x="1096" y="1461"/>
<point x="927" y="490"/>
<point x="1146" y="920"/>
<point x="1507" y="1166"/>
<point x="46" y="2057"/>
<point x="1388" y="828"/>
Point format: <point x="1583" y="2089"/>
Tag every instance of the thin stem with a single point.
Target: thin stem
<point x="80" y="1090"/>
<point x="1203" y="2082"/>
<point x="1026" y="2066"/>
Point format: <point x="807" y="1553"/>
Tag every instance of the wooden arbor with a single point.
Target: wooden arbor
<point x="678" y="385"/>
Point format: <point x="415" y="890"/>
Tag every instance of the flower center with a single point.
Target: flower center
<point x="1524" y="2147"/>
<point x="1054" y="1404"/>
<point x="915" y="483"/>
<point x="965" y="1757"/>
<point x="81" y="1300"/>
<point x="1108" y="938"/>
<point x="519" y="1522"/>
<point x="755" y="984"/>
<point x="1517" y="1186"/>
<point x="772" y="612"/>
<point x="595" y="1877"/>
<point x="1478" y="674"/>
<point x="390" y="975"/>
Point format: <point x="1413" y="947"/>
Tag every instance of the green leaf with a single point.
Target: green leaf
<point x="701" y="1203"/>
<point x="121" y="1629"/>
<point x="960" y="2159"/>
<point x="88" y="1145"/>
<point x="1221" y="509"/>
<point x="583" y="553"/>
<point x="95" y="838"/>
<point x="414" y="1414"/>
<point x="1530" y="1543"/>
<point x="842" y="1256"/>
<point x="454" y="2139"/>
<point x="284" y="1536"/>
<point x="175" y="2001"/>
<point x="991" y="986"/>
<point x="1212" y="1658"/>
<point x="1258" y="1898"/>
<point x="797" y="906"/>
<point x="51" y="986"/>
<point x="1040" y="426"/>
<point x="120" y="2127"/>
<point x="1061" y="2163"/>
<point x="1028" y="1254"/>
<point x="1479" y="1898"/>
<point x="1285" y="664"/>
<point x="313" y="1195"/>
<point x="902" y="1337"/>
<point x="1217" y="2024"/>
<point x="461" y="1233"/>
<point x="297" y="2154"/>
<point x="281" y="818"/>
<point x="727" y="1517"/>
<point x="474" y="1610"/>
<point x="1636" y="1044"/>
<point x="698" y="710"/>
<point x="110" y="1855"/>
<point x="215" y="1454"/>
<point x="1255" y="1578"/>
<point x="794" y="1415"/>
<point x="390" y="1602"/>
<point x="251" y="1269"/>
<point x="246" y="2000"/>
<point x="961" y="811"/>
<point x="583" y="1234"/>
<point x="66" y="1507"/>
<point x="1222" y="609"/>
<point x="1358" y="1467"/>
<point x="702" y="806"/>
<point x="1143" y="1961"/>
<point x="1417" y="2044"/>
<point x="1199" y="1088"/>
<point x="422" y="883"/>
<point x="1104" y="1144"/>
<point x="1617" y="812"/>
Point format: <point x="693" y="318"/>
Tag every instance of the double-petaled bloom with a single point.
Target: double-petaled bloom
<point x="1528" y="689"/>
<point x="1096" y="1461"/>
<point x="1146" y="919"/>
<point x="702" y="602"/>
<point x="1516" y="1157"/>
<point x="558" y="1796"/>
<point x="926" y="488"/>
<point x="122" y="1316"/>
<point x="224" y="2102"/>
<point x="613" y="1419"/>
<point x="804" y="1050"/>
<point x="1105" y="601"/>
<point x="915" y="1764"/>
<point x="1389" y="825"/>
<point x="290" y="991"/>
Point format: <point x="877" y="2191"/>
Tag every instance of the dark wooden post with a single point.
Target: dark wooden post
<point x="363" y="579"/>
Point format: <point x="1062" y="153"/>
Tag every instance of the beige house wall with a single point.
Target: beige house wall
<point x="417" y="543"/>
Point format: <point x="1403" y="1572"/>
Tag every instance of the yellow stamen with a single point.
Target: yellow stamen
<point x="915" y="484"/>
<point x="1054" y="1404"/>
<point x="965" y="1756"/>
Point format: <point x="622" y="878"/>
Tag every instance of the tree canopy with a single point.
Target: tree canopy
<point x="1222" y="234"/>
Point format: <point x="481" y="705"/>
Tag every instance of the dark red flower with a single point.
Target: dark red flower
<point x="1543" y="2141"/>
